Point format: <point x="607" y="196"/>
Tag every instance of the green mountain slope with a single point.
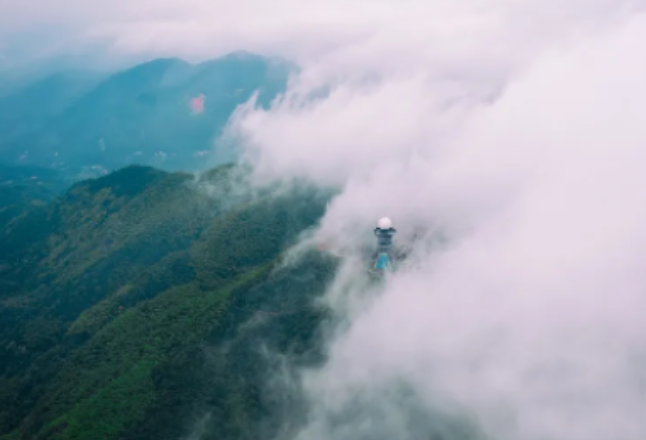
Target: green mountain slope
<point x="136" y="304"/>
<point x="25" y="188"/>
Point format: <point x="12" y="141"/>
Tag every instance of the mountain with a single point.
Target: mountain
<point x="150" y="304"/>
<point x="23" y="189"/>
<point x="30" y="108"/>
<point x="142" y="115"/>
<point x="25" y="60"/>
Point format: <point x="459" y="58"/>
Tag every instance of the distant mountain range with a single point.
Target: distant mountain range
<point x="152" y="303"/>
<point x="166" y="112"/>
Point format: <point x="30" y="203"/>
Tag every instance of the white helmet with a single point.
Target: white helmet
<point x="384" y="223"/>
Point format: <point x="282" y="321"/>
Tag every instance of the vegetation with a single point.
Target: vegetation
<point x="85" y="125"/>
<point x="138" y="303"/>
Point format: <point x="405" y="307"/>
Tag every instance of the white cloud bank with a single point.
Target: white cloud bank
<point x="515" y="126"/>
<point x="522" y="133"/>
<point x="304" y="30"/>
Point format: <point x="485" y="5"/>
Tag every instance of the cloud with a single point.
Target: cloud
<point x="299" y="30"/>
<point x="514" y="128"/>
<point x="522" y="140"/>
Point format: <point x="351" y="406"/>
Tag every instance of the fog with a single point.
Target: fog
<point x="512" y="128"/>
<point x="524" y="146"/>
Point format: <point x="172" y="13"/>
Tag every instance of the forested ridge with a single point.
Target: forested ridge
<point x="142" y="305"/>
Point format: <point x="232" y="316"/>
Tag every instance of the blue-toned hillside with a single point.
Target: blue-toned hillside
<point x="144" y="115"/>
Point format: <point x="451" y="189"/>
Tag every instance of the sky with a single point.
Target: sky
<point x="297" y="29"/>
<point x="513" y="129"/>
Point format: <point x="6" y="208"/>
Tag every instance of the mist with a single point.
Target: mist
<point x="511" y="130"/>
<point x="522" y="144"/>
